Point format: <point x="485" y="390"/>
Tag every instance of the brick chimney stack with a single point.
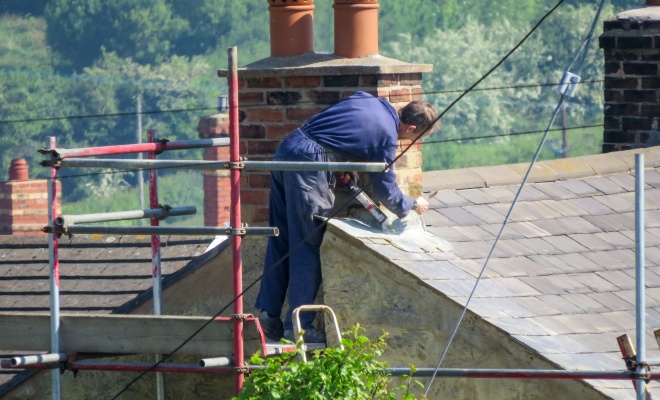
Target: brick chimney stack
<point x="24" y="202"/>
<point x="217" y="190"/>
<point x="277" y="94"/>
<point x="631" y="44"/>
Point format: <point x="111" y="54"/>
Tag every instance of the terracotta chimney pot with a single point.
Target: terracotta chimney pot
<point x="18" y="170"/>
<point x="291" y="27"/>
<point x="356" y="28"/>
<point x="653" y="2"/>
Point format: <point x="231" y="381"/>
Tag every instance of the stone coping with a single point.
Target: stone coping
<point x="544" y="171"/>
<point x="317" y="64"/>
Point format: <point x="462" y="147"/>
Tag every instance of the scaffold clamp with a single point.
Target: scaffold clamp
<point x="166" y="211"/>
<point x="164" y="143"/>
<point x="54" y="163"/>
<point x="242" y="317"/>
<point x="235" y="165"/>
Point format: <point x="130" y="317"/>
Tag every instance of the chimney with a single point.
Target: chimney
<point x="356" y="28"/>
<point x="217" y="190"/>
<point x="291" y="27"/>
<point x="24" y="202"/>
<point x="630" y="41"/>
<point x="277" y="94"/>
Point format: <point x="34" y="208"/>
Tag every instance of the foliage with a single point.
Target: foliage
<point x="524" y="105"/>
<point x="28" y="90"/>
<point x="352" y="373"/>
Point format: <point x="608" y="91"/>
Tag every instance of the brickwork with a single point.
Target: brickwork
<point x="217" y="189"/>
<point x="24" y="203"/>
<point x="272" y="107"/>
<point x="631" y="44"/>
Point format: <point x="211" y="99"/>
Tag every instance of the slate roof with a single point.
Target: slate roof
<point x="98" y="274"/>
<point x="562" y="277"/>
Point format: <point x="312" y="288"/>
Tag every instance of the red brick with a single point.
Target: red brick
<point x="216" y="153"/>
<point x="341" y="81"/>
<point x="303" y="81"/>
<point x="279" y="131"/>
<point x="253" y="196"/>
<point x="414" y="78"/>
<point x="398" y="95"/>
<point x="259" y="180"/>
<point x="262" y="146"/>
<point x="251" y="97"/>
<point x="252" y="131"/>
<point x="265" y="114"/>
<point x="301" y="114"/>
<point x="324" y="96"/>
<point x="260" y="214"/>
<point x="263" y="83"/>
<point x="285" y="98"/>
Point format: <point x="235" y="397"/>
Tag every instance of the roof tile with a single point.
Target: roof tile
<point x="535" y="305"/>
<point x="579" y="188"/>
<point x="616" y="239"/>
<point x="539" y="173"/>
<point x="477" y="196"/>
<point x="591" y="241"/>
<point x="612" y="222"/>
<point x="449" y="199"/>
<point x="555" y="191"/>
<point x="459" y="216"/>
<point x="624" y="202"/>
<point x="618" y="278"/>
<point x="486" y="214"/>
<point x="566" y="243"/>
<point x="567" y="226"/>
<point x="611" y="301"/>
<point x="591" y="206"/>
<point x="565" y="208"/>
<point x="604" y="185"/>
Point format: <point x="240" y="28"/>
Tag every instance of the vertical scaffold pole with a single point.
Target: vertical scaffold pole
<point x="639" y="272"/>
<point x="235" y="182"/>
<point x="156" y="271"/>
<point x="54" y="264"/>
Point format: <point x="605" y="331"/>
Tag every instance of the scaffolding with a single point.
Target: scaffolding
<point x="637" y="370"/>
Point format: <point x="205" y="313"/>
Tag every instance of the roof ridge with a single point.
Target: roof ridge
<point x="544" y="171"/>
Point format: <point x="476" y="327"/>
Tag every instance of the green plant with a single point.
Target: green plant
<point x="352" y="373"/>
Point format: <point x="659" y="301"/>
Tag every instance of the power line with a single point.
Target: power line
<point x="427" y="142"/>
<point x="153" y="112"/>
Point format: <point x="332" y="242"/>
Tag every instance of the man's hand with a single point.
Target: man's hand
<point x="422" y="205"/>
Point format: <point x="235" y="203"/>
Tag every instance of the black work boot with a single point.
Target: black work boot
<point x="310" y="335"/>
<point x="272" y="326"/>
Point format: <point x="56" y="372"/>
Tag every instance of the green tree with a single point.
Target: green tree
<point x="141" y="29"/>
<point x="28" y="91"/>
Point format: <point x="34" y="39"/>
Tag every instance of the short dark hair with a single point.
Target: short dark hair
<point x="418" y="113"/>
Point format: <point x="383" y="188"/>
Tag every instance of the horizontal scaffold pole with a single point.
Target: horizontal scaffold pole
<point x="135" y="367"/>
<point x="159" y="213"/>
<point x="215" y="165"/>
<point x="136" y="148"/>
<point x="168" y="230"/>
<point x="19" y="361"/>
<point x="518" y="373"/>
<point x="216" y="362"/>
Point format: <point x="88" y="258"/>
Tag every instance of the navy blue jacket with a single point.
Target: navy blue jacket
<point x="364" y="128"/>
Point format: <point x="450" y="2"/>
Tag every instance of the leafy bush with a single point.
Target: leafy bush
<point x="352" y="373"/>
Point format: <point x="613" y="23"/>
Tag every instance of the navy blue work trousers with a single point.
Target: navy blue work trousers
<point x="293" y="258"/>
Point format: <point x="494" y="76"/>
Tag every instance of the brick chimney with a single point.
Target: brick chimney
<point x="24" y="202"/>
<point x="631" y="43"/>
<point x="277" y="94"/>
<point x="217" y="190"/>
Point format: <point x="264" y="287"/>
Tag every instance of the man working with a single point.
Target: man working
<point x="359" y="128"/>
